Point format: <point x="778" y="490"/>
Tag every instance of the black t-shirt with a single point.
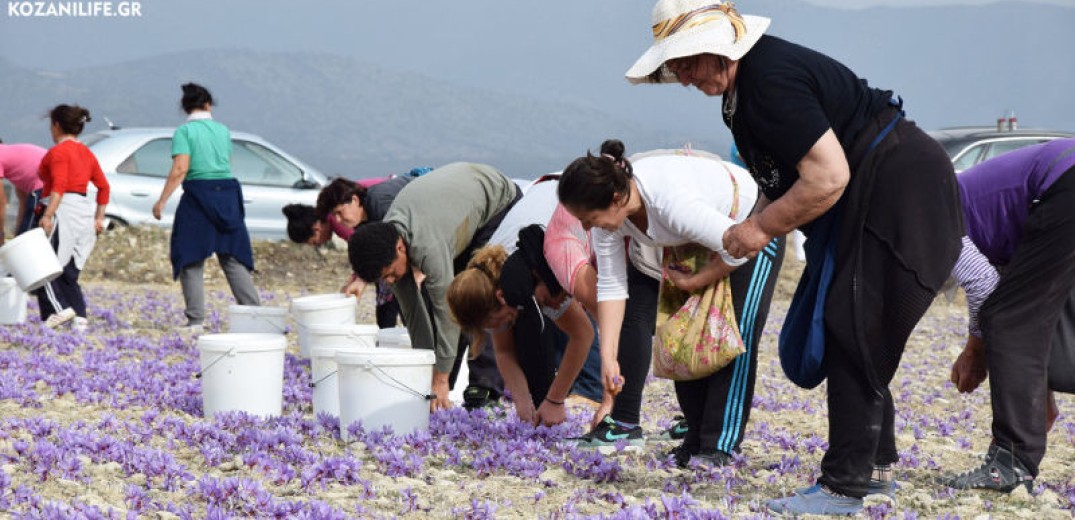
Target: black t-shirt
<point x="788" y="97"/>
<point x="380" y="196"/>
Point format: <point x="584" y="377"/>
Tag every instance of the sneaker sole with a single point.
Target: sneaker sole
<point x="611" y="449"/>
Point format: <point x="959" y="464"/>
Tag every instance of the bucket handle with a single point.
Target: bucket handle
<point x="268" y="319"/>
<point x="319" y="381"/>
<point x="201" y="372"/>
<point x="400" y="384"/>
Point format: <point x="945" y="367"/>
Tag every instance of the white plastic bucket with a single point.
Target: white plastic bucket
<point x="344" y="336"/>
<point x="321" y="309"/>
<point x="385" y="387"/>
<point x="12" y="302"/>
<point x="325" y="342"/>
<point x="394" y="337"/>
<point x="242" y="372"/>
<point x="30" y="259"/>
<point x="257" y="319"/>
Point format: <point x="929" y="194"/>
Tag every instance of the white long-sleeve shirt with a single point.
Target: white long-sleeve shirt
<point x="688" y="199"/>
<point x="978" y="278"/>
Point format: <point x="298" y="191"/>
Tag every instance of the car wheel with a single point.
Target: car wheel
<point x="114" y="222"/>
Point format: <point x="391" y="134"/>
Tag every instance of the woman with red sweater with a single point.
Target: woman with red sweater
<point x="69" y="218"/>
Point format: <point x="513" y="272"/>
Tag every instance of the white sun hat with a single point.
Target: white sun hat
<point x="690" y="27"/>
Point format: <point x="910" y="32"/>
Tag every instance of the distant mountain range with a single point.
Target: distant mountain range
<point x="341" y="115"/>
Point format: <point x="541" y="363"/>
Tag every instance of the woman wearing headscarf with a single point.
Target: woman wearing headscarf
<point x="210" y="217"/>
<point x="875" y="195"/>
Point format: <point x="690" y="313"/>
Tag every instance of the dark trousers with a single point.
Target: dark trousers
<point x="1020" y="319"/>
<point x="63" y="291"/>
<point x="899" y="238"/>
<point x="636" y="344"/>
<point x="861" y="427"/>
<point x="539" y="348"/>
<point x="387" y="314"/>
<point x="31" y="216"/>
<point x="1062" y="357"/>
<point x="717" y="407"/>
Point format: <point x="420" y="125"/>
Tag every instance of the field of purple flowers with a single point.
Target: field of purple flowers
<point x="109" y="425"/>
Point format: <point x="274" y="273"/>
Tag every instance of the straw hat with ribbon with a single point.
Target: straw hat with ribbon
<point x="690" y="27"/>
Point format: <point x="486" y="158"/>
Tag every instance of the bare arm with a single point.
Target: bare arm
<point x="514" y="379"/>
<point x="180" y="167"/>
<point x="23" y="197"/>
<point x="48" y="216"/>
<point x="823" y="176"/>
<point x="585" y="290"/>
<point x="609" y="322"/>
<point x="713" y="270"/>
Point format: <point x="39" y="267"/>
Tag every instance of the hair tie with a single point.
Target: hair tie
<point x="485" y="270"/>
<point x="618" y="162"/>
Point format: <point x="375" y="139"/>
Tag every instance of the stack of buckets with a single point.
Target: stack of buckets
<point x="243" y="369"/>
<point x="352" y="377"/>
<point x="32" y="263"/>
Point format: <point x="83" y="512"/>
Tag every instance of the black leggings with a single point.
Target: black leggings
<point x="636" y="344"/>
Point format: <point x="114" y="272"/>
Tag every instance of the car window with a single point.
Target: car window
<point x="253" y="163"/>
<point x="1003" y="147"/>
<point x="153" y="159"/>
<point x="969" y="158"/>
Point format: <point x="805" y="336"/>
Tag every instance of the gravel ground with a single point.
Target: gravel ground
<point x="109" y="424"/>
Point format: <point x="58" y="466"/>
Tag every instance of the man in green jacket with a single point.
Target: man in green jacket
<point x="428" y="235"/>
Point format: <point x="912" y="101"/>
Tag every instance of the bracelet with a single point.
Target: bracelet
<point x="557" y="403"/>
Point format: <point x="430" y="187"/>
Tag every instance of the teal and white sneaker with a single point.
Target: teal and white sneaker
<point x="609" y="437"/>
<point x="676" y="432"/>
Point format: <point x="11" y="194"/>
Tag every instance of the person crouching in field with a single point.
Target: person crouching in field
<point x="427" y="237"/>
<point x="1018" y="212"/>
<point x="543" y="339"/>
<point x="667" y="200"/>
<point x="342" y="205"/>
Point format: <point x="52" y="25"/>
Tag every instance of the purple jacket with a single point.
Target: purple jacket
<point x="999" y="193"/>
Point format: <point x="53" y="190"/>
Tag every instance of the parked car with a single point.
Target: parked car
<point x="136" y="162"/>
<point x="971" y="145"/>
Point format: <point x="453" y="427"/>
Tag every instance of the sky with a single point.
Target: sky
<point x="163" y="26"/>
<point x="463" y="43"/>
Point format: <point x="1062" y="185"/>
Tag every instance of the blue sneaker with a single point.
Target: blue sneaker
<point x="882" y="487"/>
<point x="875" y="487"/>
<point x="816" y="500"/>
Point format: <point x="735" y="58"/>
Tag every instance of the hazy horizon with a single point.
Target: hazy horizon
<point x="955" y="62"/>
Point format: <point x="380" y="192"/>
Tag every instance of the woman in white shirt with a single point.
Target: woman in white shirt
<point x="673" y="199"/>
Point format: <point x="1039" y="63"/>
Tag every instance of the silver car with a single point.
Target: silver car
<point x="136" y="162"/>
<point x="968" y="146"/>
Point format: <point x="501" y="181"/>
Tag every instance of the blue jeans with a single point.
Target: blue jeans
<point x="29" y="219"/>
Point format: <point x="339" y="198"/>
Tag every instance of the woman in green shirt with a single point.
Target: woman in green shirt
<point x="210" y="216"/>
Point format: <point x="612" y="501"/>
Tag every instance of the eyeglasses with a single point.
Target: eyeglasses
<point x="679" y="65"/>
